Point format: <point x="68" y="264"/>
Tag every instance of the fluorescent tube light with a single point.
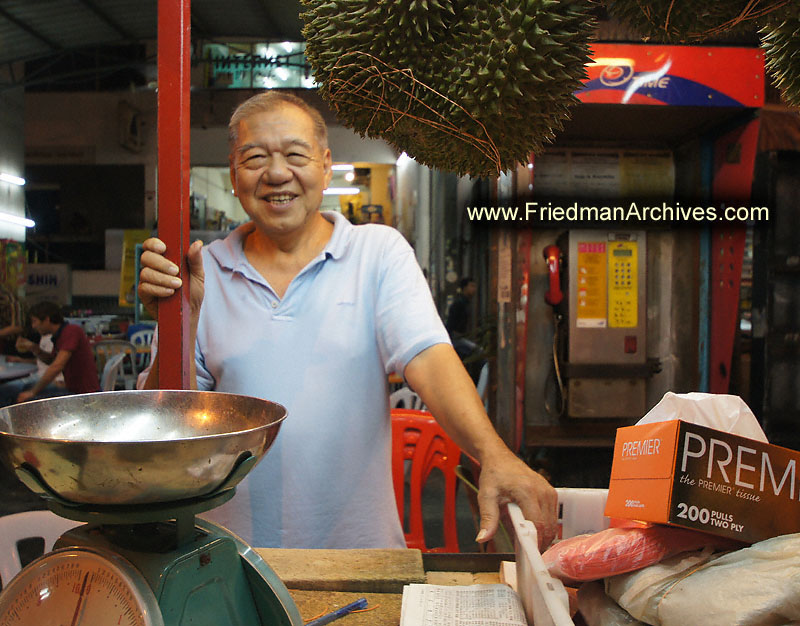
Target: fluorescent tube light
<point x="17" y="219"/>
<point x="14" y="180"/>
<point x="341" y="191"/>
<point x="342" y="167"/>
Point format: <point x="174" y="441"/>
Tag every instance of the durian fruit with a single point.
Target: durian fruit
<point x="780" y="38"/>
<point x="681" y="21"/>
<point x="470" y="86"/>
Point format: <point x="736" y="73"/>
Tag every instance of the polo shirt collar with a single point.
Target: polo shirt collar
<point x="340" y="238"/>
<point x="230" y="254"/>
<point x="58" y="332"/>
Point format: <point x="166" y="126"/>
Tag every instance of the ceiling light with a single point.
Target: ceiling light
<point x="14" y="180"/>
<point x="342" y="191"/>
<point x="350" y="176"/>
<point x="342" y="167"/>
<point x="17" y="219"/>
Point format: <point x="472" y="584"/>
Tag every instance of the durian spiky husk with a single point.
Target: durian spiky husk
<point x="681" y="21"/>
<point x="470" y="86"/>
<point x="780" y="39"/>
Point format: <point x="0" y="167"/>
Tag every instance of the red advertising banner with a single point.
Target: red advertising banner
<point x="674" y="75"/>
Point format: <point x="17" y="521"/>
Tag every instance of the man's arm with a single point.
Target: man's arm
<point x="13" y="329"/>
<point x="440" y="379"/>
<point x="49" y="375"/>
<point x="11" y="358"/>
<point x="26" y="345"/>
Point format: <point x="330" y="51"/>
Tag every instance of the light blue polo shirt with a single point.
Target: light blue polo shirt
<point x="354" y="314"/>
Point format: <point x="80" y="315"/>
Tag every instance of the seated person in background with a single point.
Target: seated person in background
<point x="11" y="389"/>
<point x="71" y="355"/>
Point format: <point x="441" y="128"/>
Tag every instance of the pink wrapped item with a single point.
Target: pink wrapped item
<point x="619" y="550"/>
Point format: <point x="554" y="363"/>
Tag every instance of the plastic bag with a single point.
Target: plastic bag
<point x="723" y="412"/>
<point x="619" y="550"/>
<point x="597" y="609"/>
<point x="755" y="586"/>
<point x="640" y="592"/>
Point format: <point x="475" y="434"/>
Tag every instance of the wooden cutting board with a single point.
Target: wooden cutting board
<point x="376" y="571"/>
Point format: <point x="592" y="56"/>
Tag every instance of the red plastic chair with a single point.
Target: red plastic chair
<point x="417" y="437"/>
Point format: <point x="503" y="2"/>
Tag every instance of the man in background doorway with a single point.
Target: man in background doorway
<point x="459" y="313"/>
<point x="459" y="324"/>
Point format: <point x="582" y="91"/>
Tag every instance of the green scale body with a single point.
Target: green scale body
<point x="212" y="580"/>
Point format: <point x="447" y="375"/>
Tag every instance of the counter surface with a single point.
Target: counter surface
<point x="321" y="581"/>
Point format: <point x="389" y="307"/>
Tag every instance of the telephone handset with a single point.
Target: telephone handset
<point x="554" y="295"/>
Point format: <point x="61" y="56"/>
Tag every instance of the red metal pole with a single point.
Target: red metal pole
<point x="524" y="241"/>
<point x="734" y="162"/>
<point x="174" y="50"/>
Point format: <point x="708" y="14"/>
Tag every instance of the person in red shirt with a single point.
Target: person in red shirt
<point x="72" y="355"/>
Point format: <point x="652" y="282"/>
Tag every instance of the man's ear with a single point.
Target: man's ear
<point x="327" y="165"/>
<point x="232" y="170"/>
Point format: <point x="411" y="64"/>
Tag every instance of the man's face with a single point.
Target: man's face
<point x="279" y="170"/>
<point x="39" y="324"/>
<point x="469" y="289"/>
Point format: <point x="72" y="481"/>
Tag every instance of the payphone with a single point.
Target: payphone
<point x="603" y="365"/>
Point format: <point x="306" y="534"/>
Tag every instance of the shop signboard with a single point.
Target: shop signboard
<point x="674" y="75"/>
<point x="47" y="281"/>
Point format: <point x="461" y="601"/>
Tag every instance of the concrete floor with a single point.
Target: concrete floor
<point x="432" y="515"/>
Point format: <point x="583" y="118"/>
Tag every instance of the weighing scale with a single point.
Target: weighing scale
<point x="137" y="466"/>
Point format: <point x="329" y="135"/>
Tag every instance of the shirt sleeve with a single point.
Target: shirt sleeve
<point x="69" y="339"/>
<point x="407" y="319"/>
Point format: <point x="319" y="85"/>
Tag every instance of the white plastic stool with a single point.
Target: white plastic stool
<point x="406" y="398"/>
<point x="27" y="525"/>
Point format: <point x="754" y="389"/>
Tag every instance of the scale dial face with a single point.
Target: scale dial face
<point x="79" y="586"/>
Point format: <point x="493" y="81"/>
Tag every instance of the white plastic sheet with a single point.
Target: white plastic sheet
<point x="598" y="609"/>
<point x="755" y="586"/>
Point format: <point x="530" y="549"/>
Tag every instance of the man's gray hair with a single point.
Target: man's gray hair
<point x="267" y="101"/>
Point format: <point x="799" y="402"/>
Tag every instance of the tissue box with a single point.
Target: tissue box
<point x="682" y="474"/>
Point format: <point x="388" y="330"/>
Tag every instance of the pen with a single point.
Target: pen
<point x="361" y="603"/>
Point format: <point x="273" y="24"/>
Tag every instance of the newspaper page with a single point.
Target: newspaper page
<point x="472" y="605"/>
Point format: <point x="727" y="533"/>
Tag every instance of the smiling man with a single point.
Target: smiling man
<point x="302" y="308"/>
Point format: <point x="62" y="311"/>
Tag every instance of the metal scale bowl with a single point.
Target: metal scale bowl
<point x="137" y="466"/>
